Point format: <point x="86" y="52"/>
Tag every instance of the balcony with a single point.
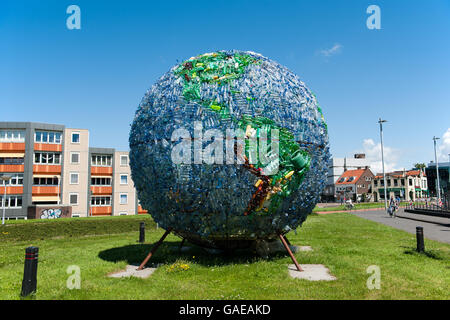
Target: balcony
<point x="47" y="168"/>
<point x="101" y="211"/>
<point x="11" y="189"/>
<point x="48" y="147"/>
<point x="11" y="167"/>
<point x="100" y="171"/>
<point x="12" y="146"/>
<point x="101" y="190"/>
<point x="45" y="190"/>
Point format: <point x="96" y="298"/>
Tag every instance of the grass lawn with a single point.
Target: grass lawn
<point x="358" y="206"/>
<point x="346" y="244"/>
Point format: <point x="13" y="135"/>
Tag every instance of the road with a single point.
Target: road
<point x="434" y="228"/>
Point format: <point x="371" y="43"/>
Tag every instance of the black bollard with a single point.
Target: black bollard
<point x="420" y="242"/>
<point x="142" y="232"/>
<point x="30" y="271"/>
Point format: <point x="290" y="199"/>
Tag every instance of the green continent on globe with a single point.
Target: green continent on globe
<point x="291" y="160"/>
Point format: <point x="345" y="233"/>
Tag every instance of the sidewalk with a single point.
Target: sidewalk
<point x="435" y="228"/>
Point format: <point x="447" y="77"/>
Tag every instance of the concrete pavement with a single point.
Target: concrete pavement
<point x="434" y="228"/>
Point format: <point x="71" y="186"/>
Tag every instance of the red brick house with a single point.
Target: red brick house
<point x="352" y="184"/>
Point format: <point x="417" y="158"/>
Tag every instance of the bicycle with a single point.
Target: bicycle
<point x="349" y="206"/>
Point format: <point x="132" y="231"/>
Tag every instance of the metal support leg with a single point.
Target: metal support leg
<point x="181" y="244"/>
<point x="287" y="240"/>
<point x="283" y="241"/>
<point x="155" y="247"/>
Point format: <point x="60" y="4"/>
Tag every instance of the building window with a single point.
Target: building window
<point x="11" y="202"/>
<point x="101" y="201"/>
<point x="74" y="157"/>
<point x="395" y="182"/>
<point x="123" y="160"/>
<point x="410" y="182"/>
<point x="74" y="177"/>
<point x="47" y="137"/>
<point x="123" y="198"/>
<point x="403" y="182"/>
<point x="45" y="181"/>
<point x="123" y="179"/>
<point x="73" y="199"/>
<point x="375" y="183"/>
<point x="16" y="179"/>
<point x="389" y="182"/>
<point x="101" y="160"/>
<point x="12" y="161"/>
<point x="12" y="136"/>
<point x="47" y="158"/>
<point x="75" y="137"/>
<point x="101" y="181"/>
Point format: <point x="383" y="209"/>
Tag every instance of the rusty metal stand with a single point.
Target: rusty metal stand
<point x="181" y="244"/>
<point x="283" y="241"/>
<point x="155" y="247"/>
<point x="287" y="240"/>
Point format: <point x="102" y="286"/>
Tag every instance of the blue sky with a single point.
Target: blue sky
<point x="95" y="77"/>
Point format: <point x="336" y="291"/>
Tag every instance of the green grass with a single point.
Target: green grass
<point x="35" y="229"/>
<point x="358" y="206"/>
<point x="346" y="244"/>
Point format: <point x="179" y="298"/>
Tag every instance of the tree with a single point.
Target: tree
<point x="420" y="166"/>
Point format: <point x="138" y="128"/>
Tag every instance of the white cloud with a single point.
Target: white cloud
<point x="443" y="147"/>
<point x="333" y="50"/>
<point x="373" y="155"/>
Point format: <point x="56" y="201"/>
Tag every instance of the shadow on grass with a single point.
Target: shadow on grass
<point x="169" y="253"/>
<point x="428" y="253"/>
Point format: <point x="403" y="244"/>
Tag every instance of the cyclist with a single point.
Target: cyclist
<point x="392" y="207"/>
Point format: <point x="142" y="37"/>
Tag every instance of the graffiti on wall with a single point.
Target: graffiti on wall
<point x="51" y="213"/>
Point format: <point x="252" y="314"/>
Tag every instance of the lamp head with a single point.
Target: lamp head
<point x="5" y="177"/>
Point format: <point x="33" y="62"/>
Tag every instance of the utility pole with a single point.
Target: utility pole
<point x="59" y="189"/>
<point x="438" y="188"/>
<point x="5" y="178"/>
<point x="380" y="121"/>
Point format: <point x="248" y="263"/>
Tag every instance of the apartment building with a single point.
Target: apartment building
<point x="51" y="166"/>
<point x="407" y="185"/>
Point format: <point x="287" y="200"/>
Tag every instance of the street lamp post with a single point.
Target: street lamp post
<point x="59" y="190"/>
<point x="5" y="178"/>
<point x="380" y="121"/>
<point x="438" y="189"/>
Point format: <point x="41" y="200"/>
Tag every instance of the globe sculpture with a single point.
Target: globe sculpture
<point x="227" y="148"/>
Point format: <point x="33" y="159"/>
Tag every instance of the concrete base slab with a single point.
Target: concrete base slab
<point x="311" y="272"/>
<point x="131" y="271"/>
<point x="185" y="248"/>
<point x="300" y="248"/>
<point x="213" y="251"/>
<point x="265" y="248"/>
